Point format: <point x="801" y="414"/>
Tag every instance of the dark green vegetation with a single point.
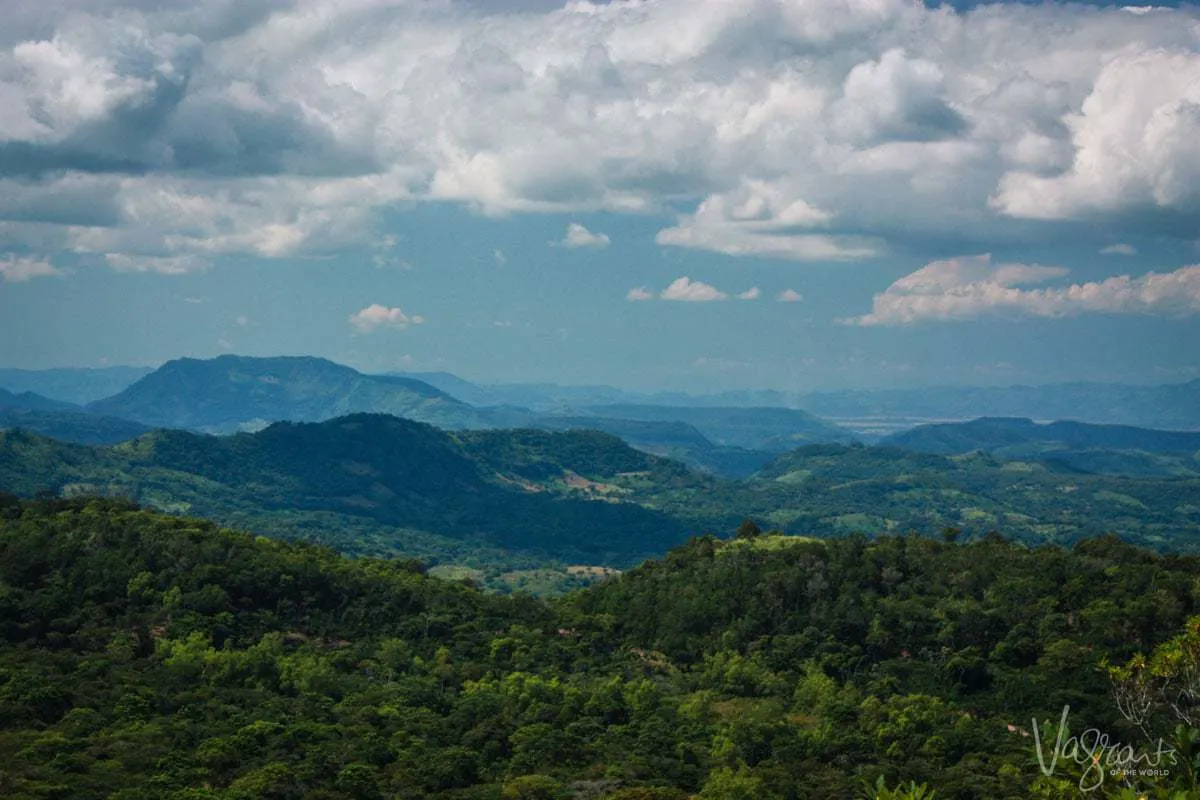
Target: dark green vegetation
<point x="78" y="386"/>
<point x="511" y="500"/>
<point x="1106" y="449"/>
<point x="233" y="393"/>
<point x="827" y="490"/>
<point x="72" y="426"/>
<point x="677" y="440"/>
<point x="147" y="656"/>
<point x="377" y="485"/>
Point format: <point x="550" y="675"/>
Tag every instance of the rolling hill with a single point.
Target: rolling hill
<point x="374" y="484"/>
<point x="1107" y="449"/>
<point x="508" y="499"/>
<point x="676" y="440"/>
<point x="232" y="393"/>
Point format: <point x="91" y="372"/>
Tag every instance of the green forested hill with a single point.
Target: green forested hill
<point x="833" y="489"/>
<point x="676" y="440"/>
<point x="515" y="499"/>
<point x="1109" y="449"/>
<point x="72" y="426"/>
<point x="147" y="656"/>
<point x="372" y="484"/>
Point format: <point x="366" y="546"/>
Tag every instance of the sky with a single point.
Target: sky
<point x="653" y="194"/>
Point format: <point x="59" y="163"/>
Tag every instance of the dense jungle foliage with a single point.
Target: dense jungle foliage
<point x="152" y="656"/>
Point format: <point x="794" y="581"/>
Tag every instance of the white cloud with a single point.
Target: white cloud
<point x="1135" y="143"/>
<point x="752" y="293"/>
<point x="1119" y="250"/>
<point x="499" y="257"/>
<point x="803" y="130"/>
<point x="759" y="219"/>
<point x="971" y="286"/>
<point x="376" y="316"/>
<point x="639" y="293"/>
<point x="579" y="236"/>
<point x="686" y="290"/>
<point x="790" y="296"/>
<point x="16" y="269"/>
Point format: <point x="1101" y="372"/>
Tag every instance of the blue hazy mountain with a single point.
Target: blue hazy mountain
<point x="232" y="393"/>
<point x="77" y="385"/>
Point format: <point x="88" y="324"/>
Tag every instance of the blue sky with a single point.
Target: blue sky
<point x="665" y="194"/>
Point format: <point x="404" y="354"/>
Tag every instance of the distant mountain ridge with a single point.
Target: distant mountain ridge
<point x="29" y="401"/>
<point x="76" y="385"/>
<point x="232" y="393"/>
<point x="1170" y="406"/>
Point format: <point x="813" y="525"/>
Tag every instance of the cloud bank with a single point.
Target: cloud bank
<point x="790" y="129"/>
<point x="971" y="287"/>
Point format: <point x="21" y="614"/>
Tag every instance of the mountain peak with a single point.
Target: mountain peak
<point x="231" y="393"/>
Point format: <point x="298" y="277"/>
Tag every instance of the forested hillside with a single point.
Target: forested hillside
<point x="143" y="656"/>
<point x="377" y="485"/>
<point x="1104" y="449"/>
<point x="506" y="501"/>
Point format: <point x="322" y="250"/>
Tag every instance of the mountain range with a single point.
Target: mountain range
<point x="234" y="393"/>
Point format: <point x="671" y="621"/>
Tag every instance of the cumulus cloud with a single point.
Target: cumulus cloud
<point x="639" y="293"/>
<point x="895" y="98"/>
<point x="686" y="290"/>
<point x="579" y="236"/>
<point x="377" y="316"/>
<point x="16" y="269"/>
<point x="752" y="293"/>
<point x="971" y="286"/>
<point x="802" y="130"/>
<point x="760" y="219"/>
<point x="790" y="296"/>
<point x="1135" y="143"/>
